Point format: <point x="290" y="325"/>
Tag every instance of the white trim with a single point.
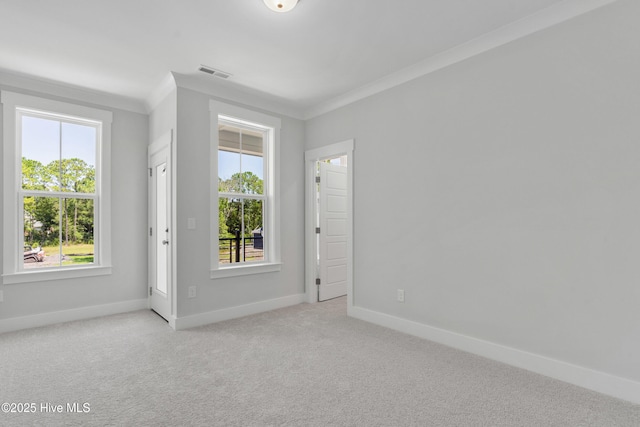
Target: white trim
<point x="271" y="220"/>
<point x="311" y="157"/>
<point x="548" y="17"/>
<point x="45" y="319"/>
<point x="12" y="239"/>
<point x="601" y="382"/>
<point x="75" y="93"/>
<point x="29" y="276"/>
<point x="242" y="114"/>
<point x="231" y="92"/>
<point x="245" y="269"/>
<point x="207" y="318"/>
<point x="330" y="151"/>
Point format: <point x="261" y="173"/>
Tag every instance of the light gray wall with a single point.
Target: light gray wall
<point x="193" y="195"/>
<point x="502" y="194"/>
<point x="164" y="116"/>
<point x="129" y="222"/>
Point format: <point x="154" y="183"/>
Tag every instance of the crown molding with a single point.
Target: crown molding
<point x="229" y="91"/>
<point x="63" y="90"/>
<point x="531" y="24"/>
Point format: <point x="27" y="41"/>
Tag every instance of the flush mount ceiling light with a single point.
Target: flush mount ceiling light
<point x="281" y="5"/>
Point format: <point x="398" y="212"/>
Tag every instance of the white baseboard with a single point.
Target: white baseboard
<point x="601" y="382"/>
<point x="209" y="317"/>
<point x="44" y="319"/>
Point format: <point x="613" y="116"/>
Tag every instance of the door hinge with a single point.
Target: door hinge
<point x="317" y="281"/>
<point x="318" y="179"/>
<point x="317" y="230"/>
<point x="150" y="231"/>
<point x="150" y="291"/>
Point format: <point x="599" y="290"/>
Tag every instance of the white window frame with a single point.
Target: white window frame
<point x="13" y="106"/>
<point x="271" y="219"/>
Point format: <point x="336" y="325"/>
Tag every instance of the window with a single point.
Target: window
<point x="244" y="208"/>
<point x="56" y="191"/>
<point x="241" y="198"/>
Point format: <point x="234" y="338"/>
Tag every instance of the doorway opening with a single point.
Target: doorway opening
<point x="161" y="289"/>
<point x="331" y="228"/>
<point x="329" y="223"/>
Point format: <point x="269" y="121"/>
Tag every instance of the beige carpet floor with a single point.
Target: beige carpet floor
<point x="307" y="365"/>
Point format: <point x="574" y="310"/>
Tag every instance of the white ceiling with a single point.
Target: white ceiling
<point x="319" y="51"/>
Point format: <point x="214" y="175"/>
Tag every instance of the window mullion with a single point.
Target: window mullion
<point x="242" y="231"/>
<point x="39" y="193"/>
<point x="60" y="156"/>
<point x="60" y="230"/>
<point x="242" y="196"/>
<point x="241" y="169"/>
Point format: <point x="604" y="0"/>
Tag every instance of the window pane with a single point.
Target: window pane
<point x="232" y="216"/>
<point x="58" y="232"/>
<point x="252" y="174"/>
<point x="78" y="158"/>
<point x="41" y="232"/>
<point x="251" y="142"/>
<point x="253" y="226"/>
<point x="240" y="160"/>
<point x="229" y="227"/>
<point x="252" y="161"/>
<point x="229" y="172"/>
<point x="40" y="153"/>
<point x="240" y="230"/>
<point x="35" y="175"/>
<point x="77" y="231"/>
<point x="229" y="158"/>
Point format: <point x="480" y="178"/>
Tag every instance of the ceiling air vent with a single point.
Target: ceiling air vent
<point x="214" y="72"/>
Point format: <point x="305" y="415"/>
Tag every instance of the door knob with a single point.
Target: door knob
<point x="165" y="242"/>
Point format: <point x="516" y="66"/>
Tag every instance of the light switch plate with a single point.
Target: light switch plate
<point x="191" y="223"/>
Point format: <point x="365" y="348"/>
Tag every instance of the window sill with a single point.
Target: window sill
<point x="47" y="275"/>
<point x="245" y="269"/>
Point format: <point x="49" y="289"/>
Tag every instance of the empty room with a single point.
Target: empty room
<point x="320" y="213"/>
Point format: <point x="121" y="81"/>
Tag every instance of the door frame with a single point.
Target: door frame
<point x="165" y="141"/>
<point x="311" y="157"/>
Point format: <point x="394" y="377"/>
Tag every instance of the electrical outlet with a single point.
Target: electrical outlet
<point x="400" y="295"/>
<point x="192" y="291"/>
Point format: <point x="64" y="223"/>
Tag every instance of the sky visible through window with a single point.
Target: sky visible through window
<point x="41" y="141"/>
<point x="229" y="163"/>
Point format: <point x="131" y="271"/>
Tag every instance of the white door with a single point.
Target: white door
<point x="332" y="262"/>
<point x="159" y="232"/>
